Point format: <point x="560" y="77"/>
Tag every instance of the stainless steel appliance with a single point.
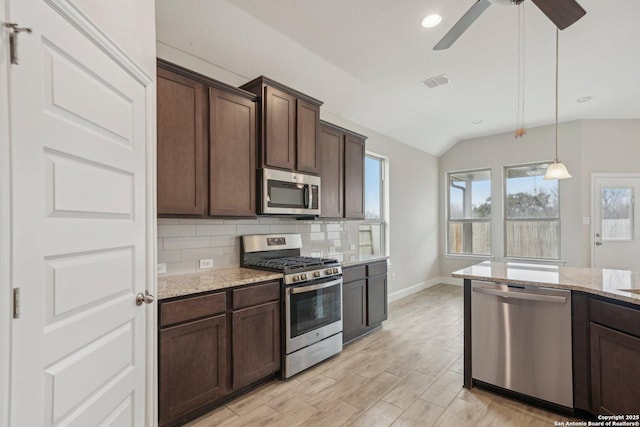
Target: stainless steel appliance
<point x="521" y="340"/>
<point x="289" y="193"/>
<point x="311" y="298"/>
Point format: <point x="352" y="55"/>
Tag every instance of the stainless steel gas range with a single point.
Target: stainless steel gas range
<point x="311" y="295"/>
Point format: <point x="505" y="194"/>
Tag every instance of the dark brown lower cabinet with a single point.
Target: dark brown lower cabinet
<point x="193" y="368"/>
<point x="615" y="371"/>
<point x="213" y="347"/>
<point x="606" y="355"/>
<point x="256" y="343"/>
<point x="354" y="309"/>
<point x="364" y="299"/>
<point x="377" y="299"/>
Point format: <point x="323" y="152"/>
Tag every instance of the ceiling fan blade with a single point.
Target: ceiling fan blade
<point x="462" y="24"/>
<point x="563" y="13"/>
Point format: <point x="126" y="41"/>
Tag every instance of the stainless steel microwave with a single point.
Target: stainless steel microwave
<point x="288" y="193"/>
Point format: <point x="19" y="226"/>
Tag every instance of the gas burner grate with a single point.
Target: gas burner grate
<point x="287" y="264"/>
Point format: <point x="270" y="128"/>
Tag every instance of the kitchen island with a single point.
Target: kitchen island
<point x="604" y="327"/>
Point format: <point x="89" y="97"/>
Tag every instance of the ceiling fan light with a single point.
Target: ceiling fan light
<point x="557" y="170"/>
<point x="431" y="20"/>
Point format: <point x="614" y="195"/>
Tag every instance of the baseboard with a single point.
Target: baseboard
<point x="422" y="286"/>
<point x="448" y="280"/>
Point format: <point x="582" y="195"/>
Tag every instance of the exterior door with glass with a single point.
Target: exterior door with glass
<point x="616" y="221"/>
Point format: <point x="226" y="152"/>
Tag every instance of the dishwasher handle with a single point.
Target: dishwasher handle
<point x="521" y="295"/>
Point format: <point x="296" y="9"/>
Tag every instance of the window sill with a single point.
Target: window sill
<point x="534" y="260"/>
<point x="469" y="256"/>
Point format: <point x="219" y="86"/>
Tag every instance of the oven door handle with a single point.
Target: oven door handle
<point x="310" y="288"/>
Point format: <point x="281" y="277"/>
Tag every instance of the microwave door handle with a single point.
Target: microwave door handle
<point x="307" y="201"/>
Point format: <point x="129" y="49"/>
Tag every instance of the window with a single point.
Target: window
<point x="532" y="214"/>
<point x="469" y="212"/>
<point x="617" y="213"/>
<point x="372" y="231"/>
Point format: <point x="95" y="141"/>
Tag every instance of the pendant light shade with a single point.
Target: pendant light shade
<point x="557" y="170"/>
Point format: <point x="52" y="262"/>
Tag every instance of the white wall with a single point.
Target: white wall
<point x="413" y="208"/>
<point x="586" y="147"/>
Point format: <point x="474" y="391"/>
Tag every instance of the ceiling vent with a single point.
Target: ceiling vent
<point x="436" y="81"/>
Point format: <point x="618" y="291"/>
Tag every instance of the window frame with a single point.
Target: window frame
<point x="448" y="219"/>
<point x="384" y="206"/>
<point x="505" y="219"/>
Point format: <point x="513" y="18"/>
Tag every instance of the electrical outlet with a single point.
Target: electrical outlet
<point x="206" y="263"/>
<point x="161" y="268"/>
<point x="332" y="250"/>
<point x="586" y="220"/>
<point x="352" y="247"/>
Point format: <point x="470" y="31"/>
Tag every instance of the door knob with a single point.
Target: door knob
<point x="145" y="298"/>
<point x="598" y="243"/>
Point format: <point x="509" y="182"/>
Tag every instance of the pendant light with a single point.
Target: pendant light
<point x="557" y="170"/>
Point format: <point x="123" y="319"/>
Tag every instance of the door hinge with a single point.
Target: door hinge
<point x="16" y="303"/>
<point x="13" y="40"/>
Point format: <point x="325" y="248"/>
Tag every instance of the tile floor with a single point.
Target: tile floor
<point x="409" y="373"/>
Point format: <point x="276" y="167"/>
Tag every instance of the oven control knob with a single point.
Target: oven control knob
<point x="296" y="278"/>
<point x="303" y="276"/>
<point x="316" y="274"/>
<point x="334" y="270"/>
<point x="329" y="271"/>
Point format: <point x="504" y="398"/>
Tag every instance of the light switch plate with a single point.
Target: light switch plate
<point x="586" y="220"/>
<point x="352" y="247"/>
<point x="161" y="268"/>
<point x="206" y="263"/>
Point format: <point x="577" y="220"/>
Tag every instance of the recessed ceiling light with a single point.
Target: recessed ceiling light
<point x="585" y="99"/>
<point x="476" y="122"/>
<point x="431" y="20"/>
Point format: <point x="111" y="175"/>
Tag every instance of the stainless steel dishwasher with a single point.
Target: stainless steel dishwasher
<point x="521" y="340"/>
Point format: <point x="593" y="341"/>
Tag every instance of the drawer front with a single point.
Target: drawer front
<point x="254" y="295"/>
<point x="351" y="274"/>
<point x="615" y="316"/>
<point x="377" y="268"/>
<point x="192" y="308"/>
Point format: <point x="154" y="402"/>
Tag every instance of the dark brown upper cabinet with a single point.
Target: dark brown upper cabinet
<point x="290" y="126"/>
<point x="181" y="143"/>
<point x="331" y="149"/>
<point x="308" y="134"/>
<point x="342" y="172"/>
<point x="206" y="146"/>
<point x="354" y="177"/>
<point x="232" y="154"/>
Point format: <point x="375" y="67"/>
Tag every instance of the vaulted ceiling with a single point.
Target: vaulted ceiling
<point x="366" y="59"/>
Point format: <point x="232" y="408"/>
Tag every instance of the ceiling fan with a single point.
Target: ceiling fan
<point x="562" y="13"/>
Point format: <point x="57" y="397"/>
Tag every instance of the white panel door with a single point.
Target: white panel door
<point x="78" y="223"/>
<point x="616" y="222"/>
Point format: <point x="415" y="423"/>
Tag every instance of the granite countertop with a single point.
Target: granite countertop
<point x="364" y="259"/>
<point x="609" y="283"/>
<point x="187" y="284"/>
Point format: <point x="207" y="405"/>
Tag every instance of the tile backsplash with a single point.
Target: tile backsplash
<point x="183" y="242"/>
